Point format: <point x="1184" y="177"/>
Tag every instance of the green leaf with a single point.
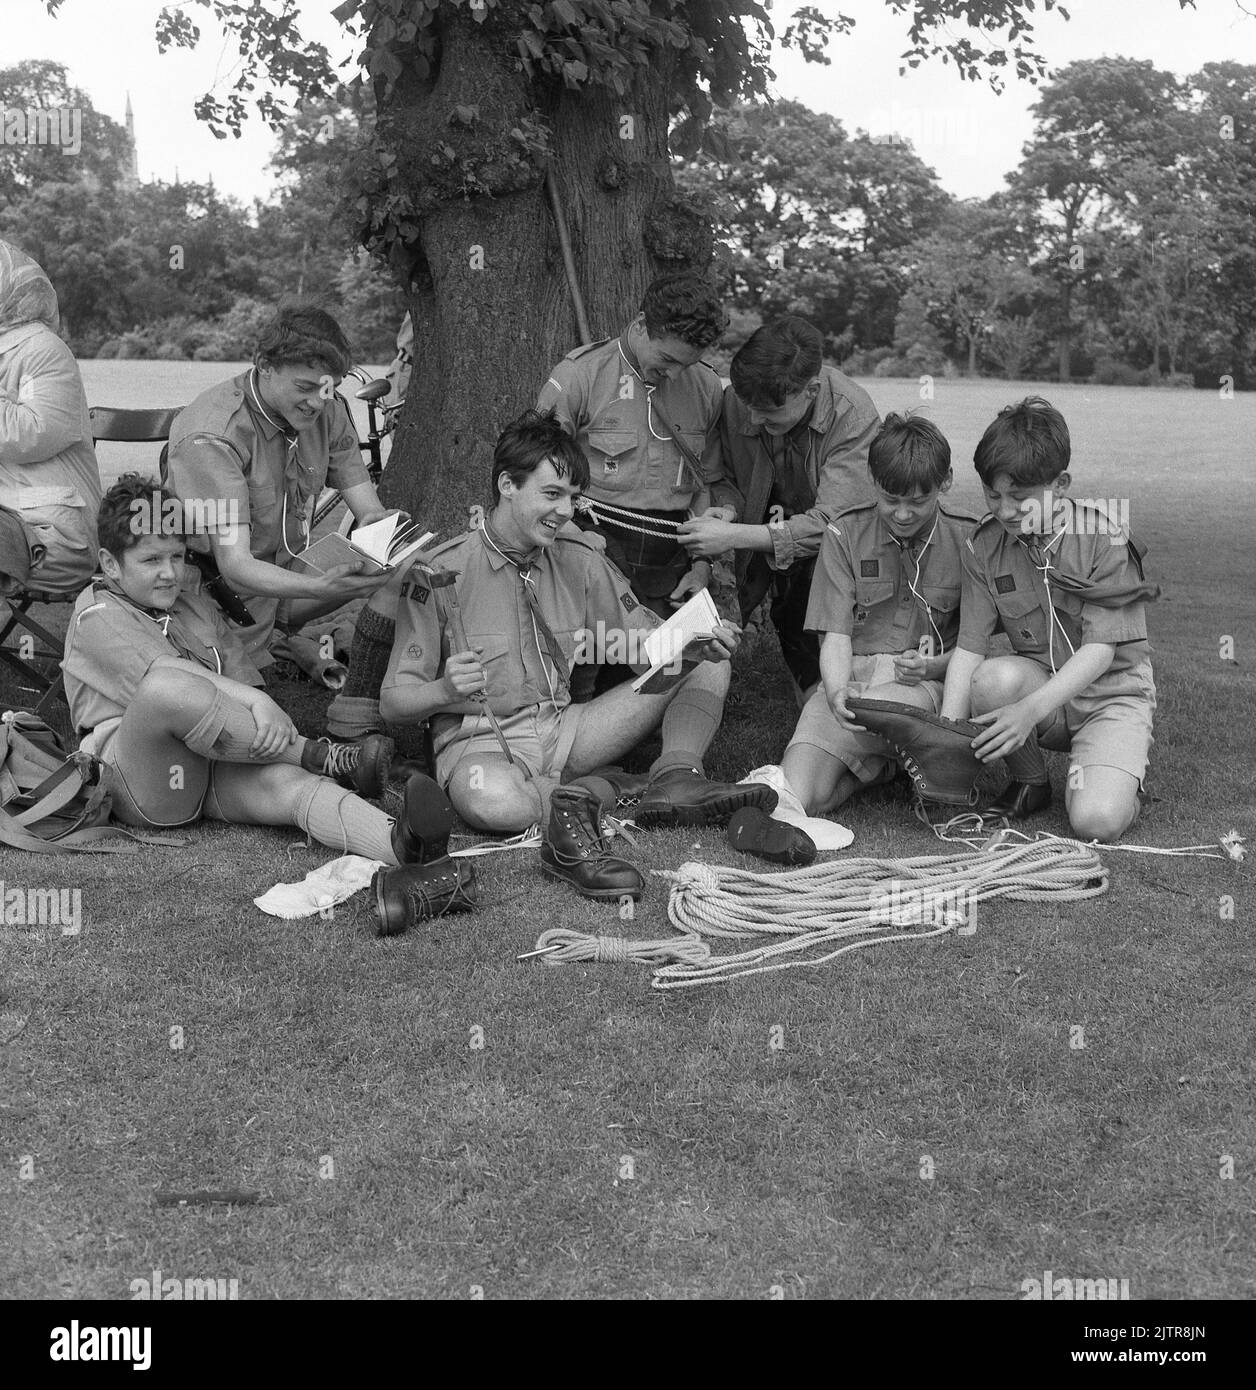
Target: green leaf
<point x="563" y="9"/>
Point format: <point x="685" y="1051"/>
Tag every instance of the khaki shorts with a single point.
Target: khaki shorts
<point x="1103" y="731"/>
<point x="540" y="737"/>
<point x="868" y="756"/>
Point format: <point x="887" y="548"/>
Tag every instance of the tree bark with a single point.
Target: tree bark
<point x="488" y="267"/>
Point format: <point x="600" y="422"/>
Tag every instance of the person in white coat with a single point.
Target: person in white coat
<point x="48" y="472"/>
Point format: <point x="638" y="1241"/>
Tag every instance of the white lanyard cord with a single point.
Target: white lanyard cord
<point x="920" y="598"/>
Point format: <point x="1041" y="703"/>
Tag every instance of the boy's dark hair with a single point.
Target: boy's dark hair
<point x="1028" y="441"/>
<point x="909" y="454"/>
<point x="684" y="306"/>
<point x="777" y="361"/>
<point x="525" y="444"/>
<point x="134" y="507"/>
<point x="303" y="335"/>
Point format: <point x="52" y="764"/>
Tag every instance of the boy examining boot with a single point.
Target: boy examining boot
<point x="886" y="592"/>
<point x="1065" y="582"/>
<point x="506" y="735"/>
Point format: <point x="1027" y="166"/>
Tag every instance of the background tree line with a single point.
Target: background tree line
<point x="1120" y="250"/>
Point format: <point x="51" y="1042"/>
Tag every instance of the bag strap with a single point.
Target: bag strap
<point x="93" y="839"/>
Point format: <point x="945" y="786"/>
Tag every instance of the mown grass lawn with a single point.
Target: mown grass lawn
<point x="607" y="1140"/>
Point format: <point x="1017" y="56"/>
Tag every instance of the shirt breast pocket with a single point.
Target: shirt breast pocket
<point x="611" y="458"/>
<point x="1024" y="619"/>
<point x="871" y="595"/>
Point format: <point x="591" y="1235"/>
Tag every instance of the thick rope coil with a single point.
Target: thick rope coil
<point x="562" y="946"/>
<point x="858" y="902"/>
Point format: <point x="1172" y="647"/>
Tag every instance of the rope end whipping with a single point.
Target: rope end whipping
<point x="1233" y="845"/>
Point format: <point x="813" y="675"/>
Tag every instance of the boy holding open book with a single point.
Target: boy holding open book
<point x="530" y="589"/>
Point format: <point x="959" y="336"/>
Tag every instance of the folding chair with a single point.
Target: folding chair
<point x="111" y="424"/>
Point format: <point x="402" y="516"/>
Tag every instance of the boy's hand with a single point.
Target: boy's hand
<point x="720" y="646"/>
<point x="693" y="581"/>
<point x="707" y="536"/>
<point x="275" y="731"/>
<point x="1007" y="730"/>
<point x="837" y="703"/>
<point x="910" y="668"/>
<point x="346" y="583"/>
<point x="464" y="676"/>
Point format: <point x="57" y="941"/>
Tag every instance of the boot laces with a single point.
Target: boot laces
<point x="342" y="759"/>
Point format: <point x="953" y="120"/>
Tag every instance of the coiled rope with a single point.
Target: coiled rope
<point x="856" y="902"/>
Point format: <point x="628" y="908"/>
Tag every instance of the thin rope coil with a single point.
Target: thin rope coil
<point x="562" y="946"/>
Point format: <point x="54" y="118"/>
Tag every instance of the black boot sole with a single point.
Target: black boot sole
<point x="753" y="832"/>
<point x="426" y="819"/>
<point x="601" y="894"/>
<point x="717" y="811"/>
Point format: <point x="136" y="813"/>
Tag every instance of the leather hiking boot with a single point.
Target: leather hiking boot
<point x="629" y="786"/>
<point x="420" y="834"/>
<point x="755" y="832"/>
<point x="1020" y="799"/>
<point x="362" y="767"/>
<point x="419" y="892"/>
<point x="573" y="849"/>
<point x="683" y="796"/>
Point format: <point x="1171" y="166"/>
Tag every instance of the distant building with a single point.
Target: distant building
<point x="133" y="164"/>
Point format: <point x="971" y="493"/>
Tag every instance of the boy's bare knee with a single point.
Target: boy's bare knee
<point x="710" y="675"/>
<point x="1105" y="821"/>
<point x="165" y="686"/>
<point x="995" y="683"/>
<point x="494" y="799"/>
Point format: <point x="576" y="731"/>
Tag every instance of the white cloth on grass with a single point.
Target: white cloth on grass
<point x="324" y="887"/>
<point x="827" y="834"/>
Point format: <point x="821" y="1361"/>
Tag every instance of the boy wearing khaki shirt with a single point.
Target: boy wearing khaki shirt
<point x="1064" y="581"/>
<point x="886" y="600"/>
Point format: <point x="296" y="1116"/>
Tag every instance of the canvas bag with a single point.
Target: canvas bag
<point x="50" y="802"/>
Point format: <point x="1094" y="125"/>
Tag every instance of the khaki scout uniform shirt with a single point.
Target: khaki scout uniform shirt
<point x="224" y="450"/>
<point x="111" y="644"/>
<point x="617" y="420"/>
<point x="1004" y="589"/>
<point x="861" y="584"/>
<point x="581" y="596"/>
<point x="841" y="426"/>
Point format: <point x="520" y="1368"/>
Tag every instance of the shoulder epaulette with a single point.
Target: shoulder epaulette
<point x="960" y="516"/>
<point x="589" y="539"/>
<point x="586" y="348"/>
<point x="851" y="511"/>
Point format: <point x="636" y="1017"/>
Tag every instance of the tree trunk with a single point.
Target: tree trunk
<point x="489" y="268"/>
<point x="972" y="354"/>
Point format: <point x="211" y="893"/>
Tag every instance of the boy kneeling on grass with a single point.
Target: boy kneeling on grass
<point x="886" y="591"/>
<point x="1065" y="582"/>
<point x="162" y="692"/>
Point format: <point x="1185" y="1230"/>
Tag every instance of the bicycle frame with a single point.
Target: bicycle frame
<point x="371" y="445"/>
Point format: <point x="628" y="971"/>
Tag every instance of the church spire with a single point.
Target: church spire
<point x="133" y="166"/>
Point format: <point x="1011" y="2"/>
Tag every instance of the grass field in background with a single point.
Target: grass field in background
<point x="337" y="1072"/>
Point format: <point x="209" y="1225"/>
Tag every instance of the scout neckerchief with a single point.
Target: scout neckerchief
<point x="792" y="485"/>
<point x="688" y="459"/>
<point x="1111" y="593"/>
<point x="292" y="470"/>
<point x="171" y="627"/>
<point x="523" y="566"/>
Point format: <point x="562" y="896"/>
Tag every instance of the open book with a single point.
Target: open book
<point x="383" y="545"/>
<point x="676" y="641"/>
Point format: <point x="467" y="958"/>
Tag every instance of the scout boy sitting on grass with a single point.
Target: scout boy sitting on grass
<point x="507" y="737"/>
<point x="161" y="690"/>
<point x="1065" y="582"/>
<point x="886" y="592"/>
